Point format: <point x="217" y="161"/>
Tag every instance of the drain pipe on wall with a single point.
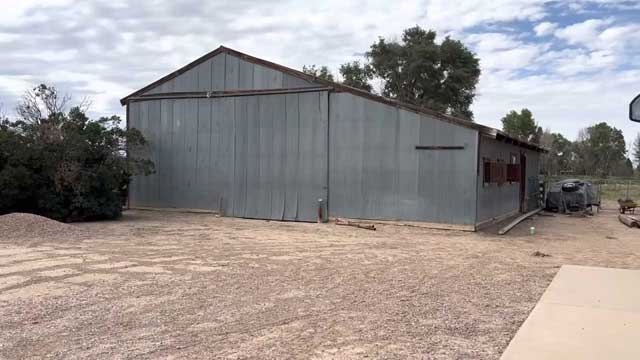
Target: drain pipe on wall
<point x="321" y="216"/>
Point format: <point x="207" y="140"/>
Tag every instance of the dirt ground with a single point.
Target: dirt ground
<point x="176" y="285"/>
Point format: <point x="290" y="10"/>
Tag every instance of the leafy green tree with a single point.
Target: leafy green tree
<point x="599" y="149"/>
<point x="624" y="168"/>
<point x="322" y="72"/>
<point x="559" y="158"/>
<point x="522" y="125"/>
<point x="442" y="77"/>
<point x="65" y="166"/>
<point x="357" y="75"/>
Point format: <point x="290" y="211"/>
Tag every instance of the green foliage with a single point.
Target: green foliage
<point x="559" y="158"/>
<point x="599" y="150"/>
<point x="522" y="126"/>
<point x="417" y="70"/>
<point x="321" y="73"/>
<point x="357" y="75"/>
<point x="66" y="166"/>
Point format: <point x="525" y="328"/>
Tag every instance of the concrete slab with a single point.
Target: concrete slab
<point x="585" y="313"/>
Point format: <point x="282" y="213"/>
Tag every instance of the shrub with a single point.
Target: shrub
<point x="66" y="166"/>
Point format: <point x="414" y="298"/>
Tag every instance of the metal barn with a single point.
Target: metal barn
<point x="233" y="133"/>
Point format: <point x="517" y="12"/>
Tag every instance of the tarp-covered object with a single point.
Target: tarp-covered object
<point x="571" y="195"/>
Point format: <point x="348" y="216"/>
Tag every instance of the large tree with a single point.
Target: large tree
<point x="321" y="72"/>
<point x="522" y="125"/>
<point x="417" y="69"/>
<point x="357" y="75"/>
<point x="559" y="158"/>
<point x="599" y="150"/>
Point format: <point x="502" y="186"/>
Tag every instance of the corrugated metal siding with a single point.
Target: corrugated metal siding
<point x="533" y="186"/>
<point x="376" y="172"/>
<point x="227" y="72"/>
<point x="497" y="200"/>
<point x="253" y="156"/>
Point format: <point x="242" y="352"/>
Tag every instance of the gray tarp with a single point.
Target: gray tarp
<point x="571" y="195"/>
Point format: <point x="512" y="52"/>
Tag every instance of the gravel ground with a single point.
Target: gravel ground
<point x="175" y="285"/>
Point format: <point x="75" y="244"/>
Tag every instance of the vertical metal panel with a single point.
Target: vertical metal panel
<point x="187" y="81"/>
<point x="204" y="75"/>
<point x="533" y="186"/>
<point x="313" y="132"/>
<point x="226" y="151"/>
<point x="266" y="78"/>
<point x="407" y="159"/>
<point x="376" y="172"/>
<point x="347" y="149"/>
<point x="133" y="121"/>
<point x="245" y="76"/>
<point x="292" y="154"/>
<point x="241" y="146"/>
<point x="153" y="136"/>
<point x="191" y="146"/>
<point x="232" y="76"/>
<point x="164" y="167"/>
<point x="203" y="156"/>
<point x="279" y="150"/>
<point x="290" y="81"/>
<point x="177" y="161"/>
<point x="266" y="157"/>
<point x="253" y="182"/>
<point x="216" y="137"/>
<point x="143" y="126"/>
<point x="218" y="71"/>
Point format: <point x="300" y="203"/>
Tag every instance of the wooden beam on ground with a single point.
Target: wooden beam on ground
<point x="517" y="221"/>
<point x="629" y="221"/>
<point x="355" y="224"/>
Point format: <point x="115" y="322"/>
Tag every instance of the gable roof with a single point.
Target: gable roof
<point x="485" y="130"/>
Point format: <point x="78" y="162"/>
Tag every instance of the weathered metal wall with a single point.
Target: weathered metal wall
<point x="227" y="72"/>
<point x="262" y="156"/>
<point x="375" y="171"/>
<point x="497" y="200"/>
<point x="533" y="180"/>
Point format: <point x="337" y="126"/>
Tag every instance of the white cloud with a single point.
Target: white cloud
<point x="584" y="33"/>
<point x="502" y="51"/>
<point x="107" y="48"/>
<point x="545" y="28"/>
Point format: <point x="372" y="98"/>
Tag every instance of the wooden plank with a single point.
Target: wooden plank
<point x="517" y="221"/>
<point x="629" y="221"/>
<point x="420" y="224"/>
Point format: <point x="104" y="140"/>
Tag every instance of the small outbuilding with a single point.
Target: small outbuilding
<point x="250" y="138"/>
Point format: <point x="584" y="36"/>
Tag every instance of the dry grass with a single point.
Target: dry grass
<point x="156" y="285"/>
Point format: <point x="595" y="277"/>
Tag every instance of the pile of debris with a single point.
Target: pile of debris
<point x="22" y="226"/>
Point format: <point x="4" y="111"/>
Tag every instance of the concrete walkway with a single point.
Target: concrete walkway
<point x="585" y="313"/>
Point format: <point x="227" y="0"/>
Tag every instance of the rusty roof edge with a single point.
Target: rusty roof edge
<point x="495" y="133"/>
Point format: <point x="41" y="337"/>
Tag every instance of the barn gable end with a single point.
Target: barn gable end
<point x="225" y="70"/>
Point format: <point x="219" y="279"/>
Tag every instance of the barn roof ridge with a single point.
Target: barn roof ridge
<point x="483" y="129"/>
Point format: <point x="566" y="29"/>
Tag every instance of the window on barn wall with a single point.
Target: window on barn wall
<point x="486" y="171"/>
<point x="513" y="169"/>
<point x="499" y="172"/>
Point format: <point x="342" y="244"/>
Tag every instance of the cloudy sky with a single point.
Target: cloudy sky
<point x="572" y="62"/>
